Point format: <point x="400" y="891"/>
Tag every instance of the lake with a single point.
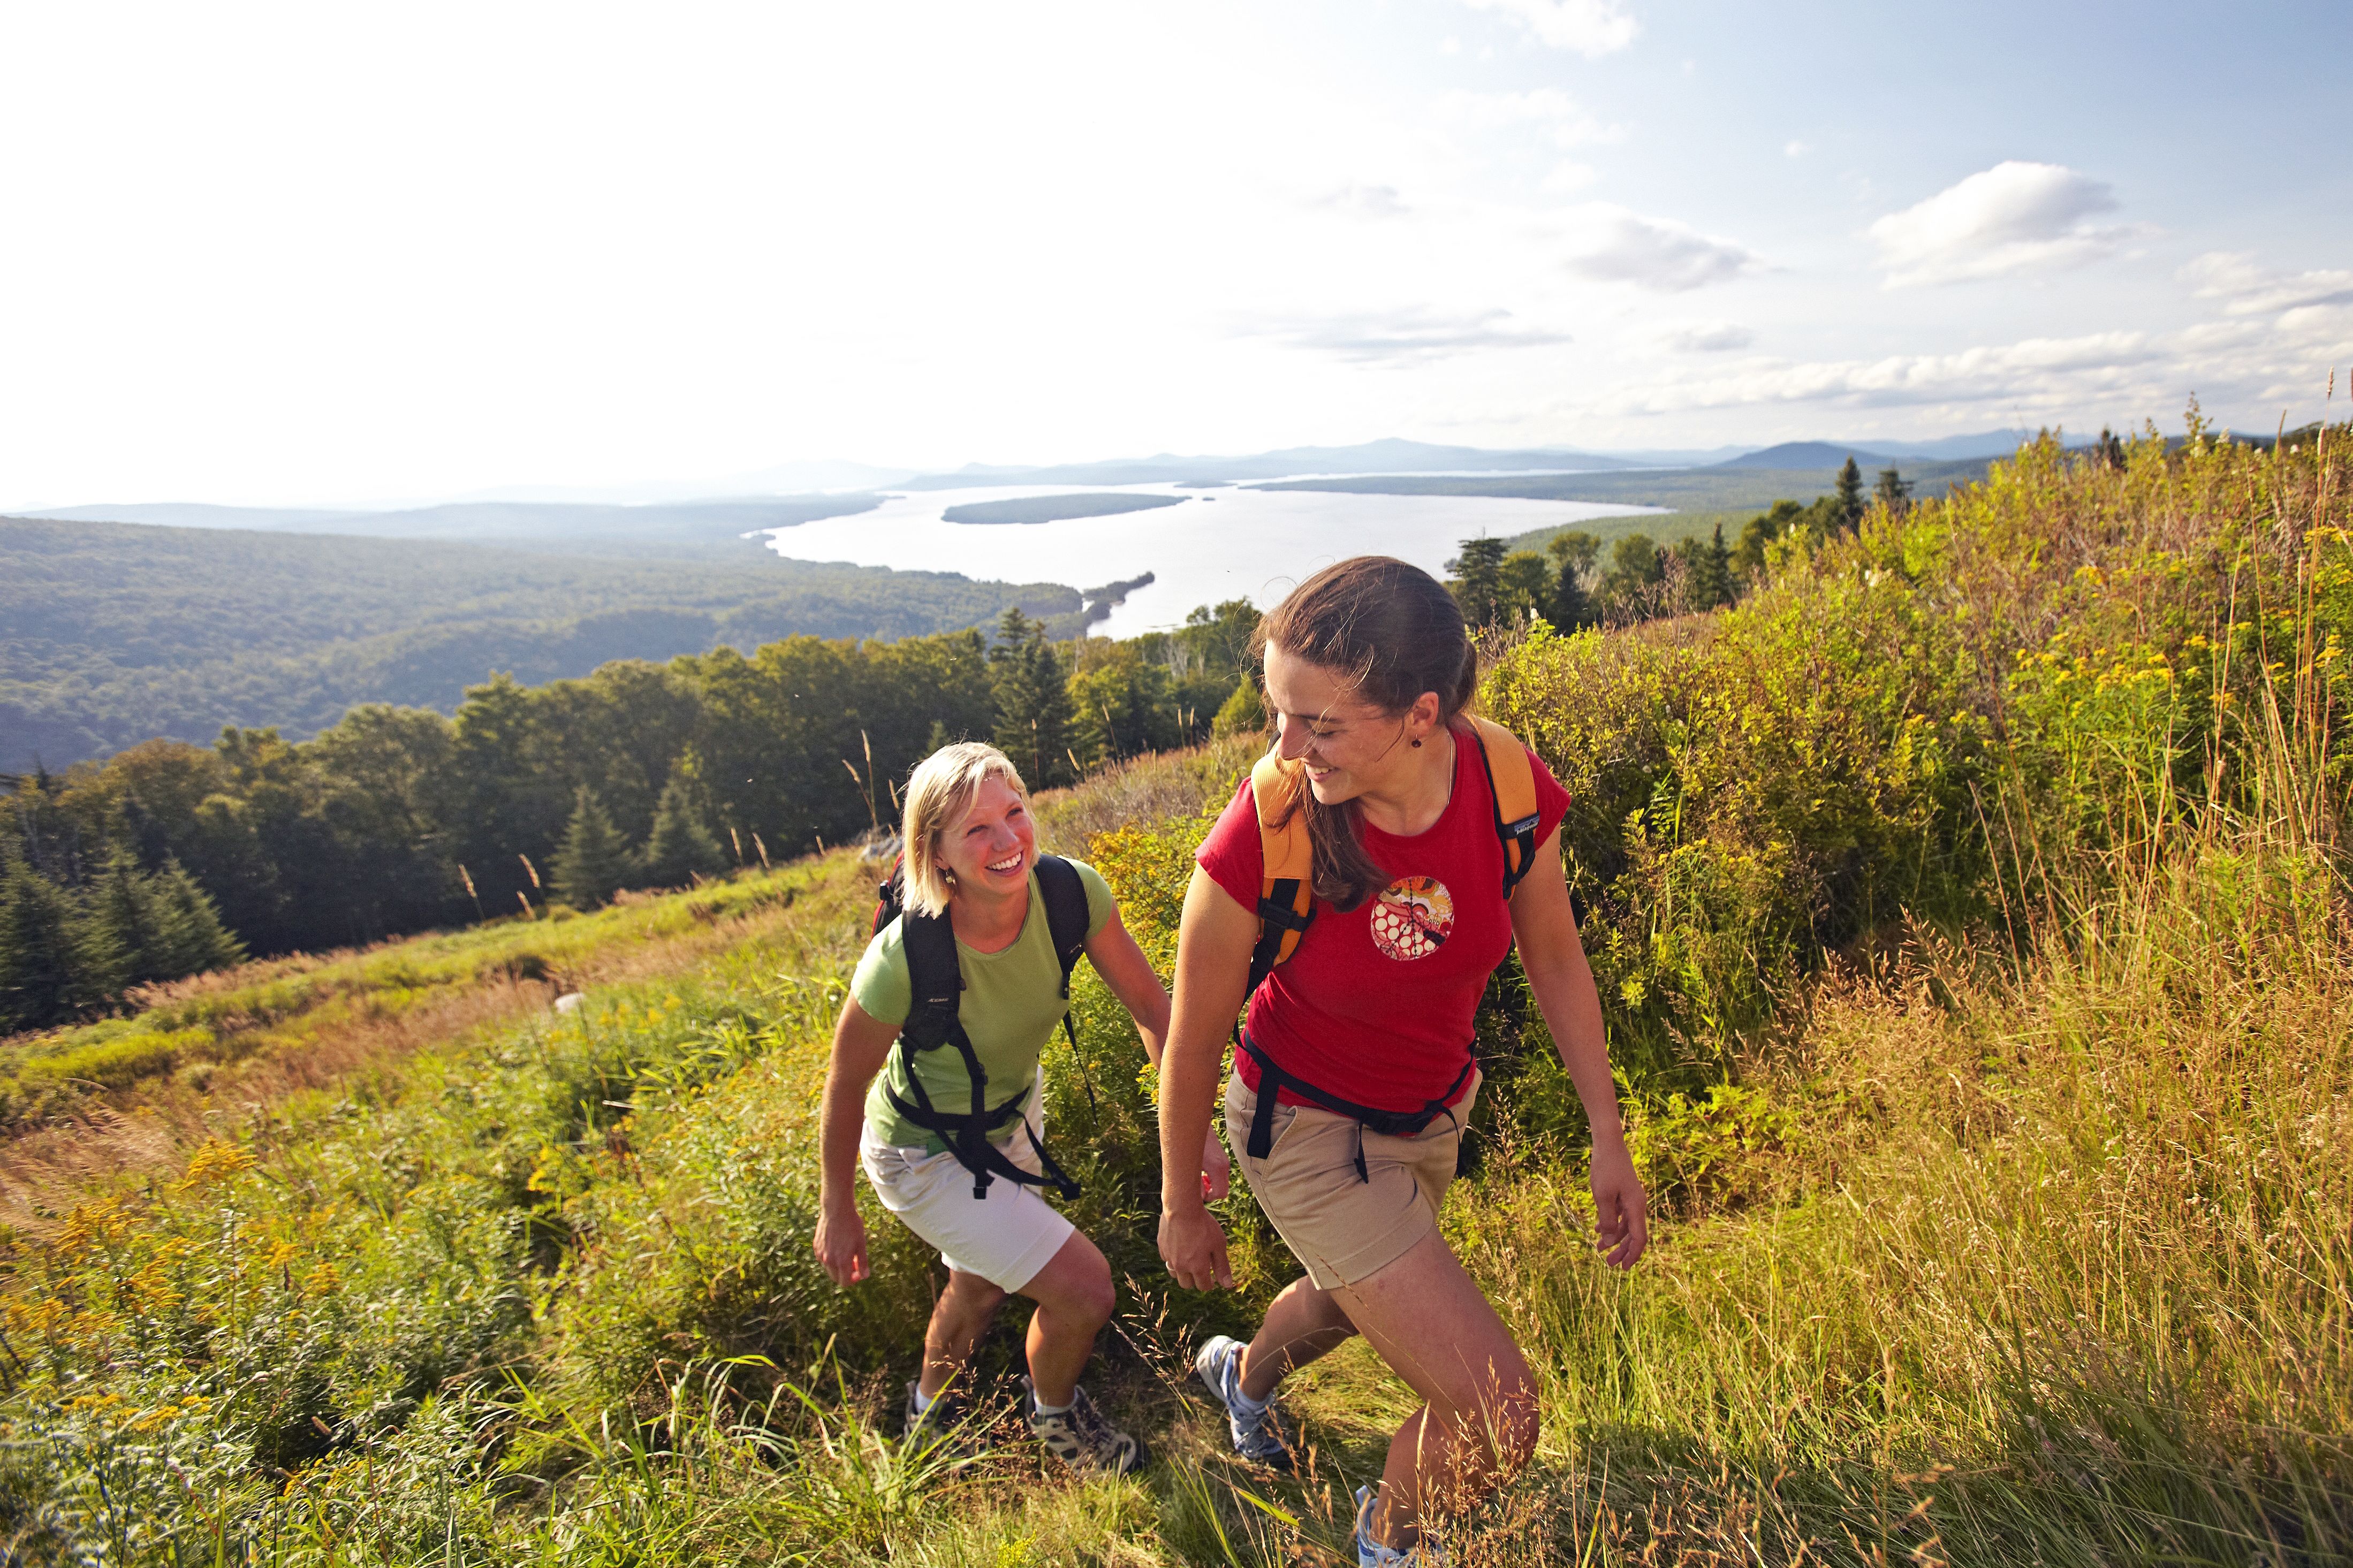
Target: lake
<point x="1220" y="544"/>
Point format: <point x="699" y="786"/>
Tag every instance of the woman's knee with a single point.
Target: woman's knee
<point x="1076" y="1284"/>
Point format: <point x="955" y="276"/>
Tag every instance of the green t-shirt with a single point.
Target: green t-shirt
<point x="1011" y="1005"/>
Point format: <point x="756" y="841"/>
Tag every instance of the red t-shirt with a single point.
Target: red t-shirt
<point x="1376" y="1004"/>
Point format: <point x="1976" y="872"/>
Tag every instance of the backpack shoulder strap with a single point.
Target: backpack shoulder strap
<point x="889" y="896"/>
<point x="935" y="979"/>
<point x="1286" y="904"/>
<point x="1066" y="911"/>
<point x="1512" y="781"/>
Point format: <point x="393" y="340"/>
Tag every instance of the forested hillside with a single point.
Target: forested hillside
<point x="639" y="774"/>
<point x="1969" y="904"/>
<point x="114" y="634"/>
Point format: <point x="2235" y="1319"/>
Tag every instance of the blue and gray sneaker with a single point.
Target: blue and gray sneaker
<point x="1371" y="1554"/>
<point x="1252" y="1425"/>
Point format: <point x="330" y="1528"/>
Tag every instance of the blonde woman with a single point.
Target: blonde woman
<point x="935" y="1087"/>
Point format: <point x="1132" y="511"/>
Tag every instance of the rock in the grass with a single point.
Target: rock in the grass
<point x="876" y="851"/>
<point x="570" y="1002"/>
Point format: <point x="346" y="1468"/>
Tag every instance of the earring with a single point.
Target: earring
<point x="1417" y="745"/>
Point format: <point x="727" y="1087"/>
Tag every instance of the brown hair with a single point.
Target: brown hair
<point x="1390" y="632"/>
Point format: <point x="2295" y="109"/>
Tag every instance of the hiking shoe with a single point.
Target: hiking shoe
<point x="938" y="1422"/>
<point x="1371" y="1554"/>
<point x="1255" y="1435"/>
<point x="1080" y="1436"/>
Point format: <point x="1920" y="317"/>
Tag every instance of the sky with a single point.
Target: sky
<point x="309" y="254"/>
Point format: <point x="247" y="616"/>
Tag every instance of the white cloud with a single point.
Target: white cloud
<point x="2014" y="217"/>
<point x="1549" y="111"/>
<point x="1706" y="337"/>
<point x="2247" y="289"/>
<point x="1796" y="149"/>
<point x="1411" y="336"/>
<point x="1591" y="27"/>
<point x="1655" y="253"/>
<point x="1361" y="200"/>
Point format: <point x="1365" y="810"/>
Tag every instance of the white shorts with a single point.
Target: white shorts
<point x="1005" y="1237"/>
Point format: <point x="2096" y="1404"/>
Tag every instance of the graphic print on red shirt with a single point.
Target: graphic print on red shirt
<point x="1376" y="1004"/>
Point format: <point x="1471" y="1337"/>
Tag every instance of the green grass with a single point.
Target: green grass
<point x="1993" y="1084"/>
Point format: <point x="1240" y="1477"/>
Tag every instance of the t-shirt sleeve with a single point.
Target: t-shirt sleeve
<point x="1552" y="800"/>
<point x="1100" y="905"/>
<point x="880" y="986"/>
<point x="1232" y="854"/>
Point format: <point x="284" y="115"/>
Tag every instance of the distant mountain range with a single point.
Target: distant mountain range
<point x="679" y="531"/>
<point x="713" y="527"/>
<point x="1386" y="457"/>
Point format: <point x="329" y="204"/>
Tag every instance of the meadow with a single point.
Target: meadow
<point x="1968" y="904"/>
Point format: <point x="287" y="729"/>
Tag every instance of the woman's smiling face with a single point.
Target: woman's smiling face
<point x="990" y="847"/>
<point x="1348" y="746"/>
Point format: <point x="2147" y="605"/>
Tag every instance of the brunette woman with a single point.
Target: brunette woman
<point x="1363" y="1035"/>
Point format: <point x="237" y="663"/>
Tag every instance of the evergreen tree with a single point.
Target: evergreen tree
<point x="141" y="926"/>
<point x="55" y="959"/>
<point x="594" y="861"/>
<point x="1849" y="509"/>
<point x="1476" y="579"/>
<point x="1709" y="568"/>
<point x="1895" y="490"/>
<point x="679" y="847"/>
<point x="1572" y="606"/>
<point x="198" y="940"/>
<point x="1033" y="702"/>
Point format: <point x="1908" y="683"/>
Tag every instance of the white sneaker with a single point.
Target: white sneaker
<point x="1371" y="1554"/>
<point x="1080" y="1436"/>
<point x="1255" y="1435"/>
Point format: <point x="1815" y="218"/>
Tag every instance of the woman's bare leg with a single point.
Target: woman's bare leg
<point x="1301" y="1324"/>
<point x="1431" y="1322"/>
<point x="1074" y="1301"/>
<point x="961" y="1316"/>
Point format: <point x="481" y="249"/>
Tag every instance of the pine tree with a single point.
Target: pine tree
<point x="679" y="847"/>
<point x="1572" y="607"/>
<point x="198" y="940"/>
<point x="54" y="959"/>
<point x="1033" y="703"/>
<point x="1895" y="490"/>
<point x="594" y="861"/>
<point x="1848" y="510"/>
<point x="1711" y="574"/>
<point x="1475" y="581"/>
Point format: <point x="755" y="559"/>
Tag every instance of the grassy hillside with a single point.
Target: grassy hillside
<point x="1969" y="908"/>
<point x="111" y="634"/>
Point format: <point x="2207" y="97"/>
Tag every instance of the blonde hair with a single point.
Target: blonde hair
<point x="941" y="789"/>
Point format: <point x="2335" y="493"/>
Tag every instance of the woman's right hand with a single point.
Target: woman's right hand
<point x="841" y="1245"/>
<point x="1193" y="1248"/>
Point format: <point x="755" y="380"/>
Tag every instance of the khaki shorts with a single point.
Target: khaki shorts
<point x="1005" y="1237"/>
<point x="1343" y="1229"/>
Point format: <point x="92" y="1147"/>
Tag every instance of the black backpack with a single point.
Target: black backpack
<point x="936" y="984"/>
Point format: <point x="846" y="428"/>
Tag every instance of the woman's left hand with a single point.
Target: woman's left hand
<point x="1621" y="1215"/>
<point x="1217" y="1169"/>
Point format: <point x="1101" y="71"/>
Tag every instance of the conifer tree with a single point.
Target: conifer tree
<point x="1033" y="702"/>
<point x="594" y="861"/>
<point x="1572" y="604"/>
<point x="55" y="959"/>
<point x="1476" y="580"/>
<point x="1709" y="565"/>
<point x="1895" y="490"/>
<point x="679" y="847"/>
<point x="1849" y="509"/>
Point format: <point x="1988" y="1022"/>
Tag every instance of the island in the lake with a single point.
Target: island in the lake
<point x="1056" y="509"/>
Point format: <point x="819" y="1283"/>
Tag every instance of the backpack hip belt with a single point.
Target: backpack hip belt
<point x="1272" y="1080"/>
